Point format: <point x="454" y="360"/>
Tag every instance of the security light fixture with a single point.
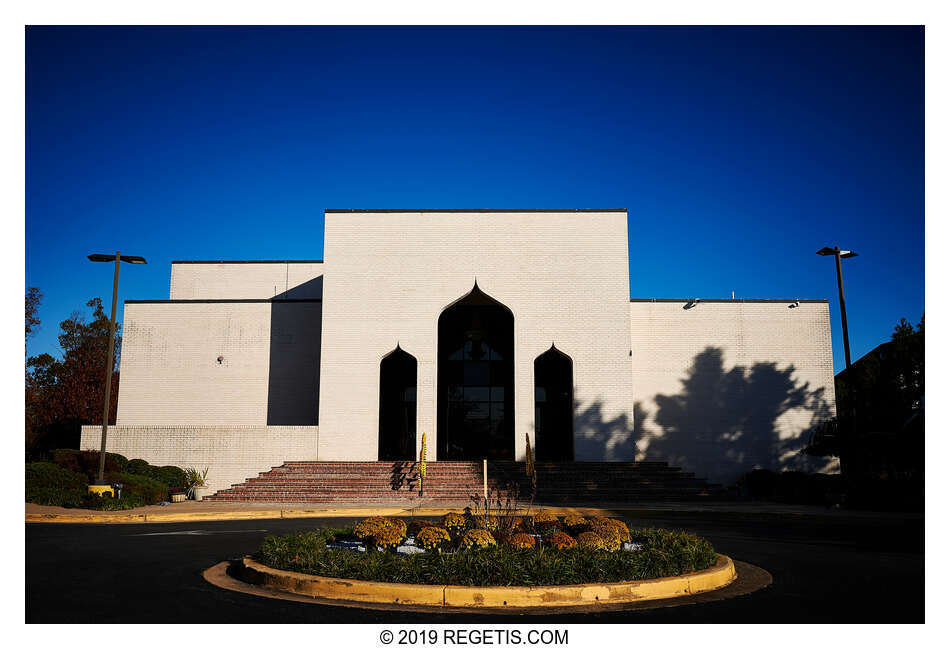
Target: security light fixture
<point x="129" y="258"/>
<point x="845" y="254"/>
<point x="840" y="254"/>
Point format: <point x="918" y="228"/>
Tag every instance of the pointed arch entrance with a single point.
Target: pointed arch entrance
<point x="554" y="406"/>
<point x="397" y="406"/>
<point x="476" y="380"/>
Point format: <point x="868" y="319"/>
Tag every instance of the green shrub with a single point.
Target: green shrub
<point x="137" y="466"/>
<point x="665" y="553"/>
<point x="50" y="484"/>
<point x="87" y="462"/>
<point x="146" y="489"/>
<point x="47" y="474"/>
<point x="105" y="503"/>
<point x="172" y="476"/>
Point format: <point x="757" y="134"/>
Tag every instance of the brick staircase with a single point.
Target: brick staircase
<point x="457" y="482"/>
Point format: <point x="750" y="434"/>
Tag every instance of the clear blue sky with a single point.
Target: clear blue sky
<point x="738" y="152"/>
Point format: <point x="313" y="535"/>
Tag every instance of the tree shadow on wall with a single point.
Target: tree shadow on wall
<point x="727" y="421"/>
<point x="603" y="439"/>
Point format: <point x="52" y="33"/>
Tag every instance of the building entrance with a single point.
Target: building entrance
<point x="476" y="380"/>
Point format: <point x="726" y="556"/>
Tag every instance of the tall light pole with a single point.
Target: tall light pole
<point x="839" y="255"/>
<point x="105" y="408"/>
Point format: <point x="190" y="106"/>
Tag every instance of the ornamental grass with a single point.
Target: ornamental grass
<point x="664" y="553"/>
<point x="483" y="522"/>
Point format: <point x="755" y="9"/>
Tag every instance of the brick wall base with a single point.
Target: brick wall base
<point x="231" y="453"/>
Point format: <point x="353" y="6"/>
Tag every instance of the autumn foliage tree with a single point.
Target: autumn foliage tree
<point x="63" y="394"/>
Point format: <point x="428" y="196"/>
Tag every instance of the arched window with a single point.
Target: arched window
<point x="554" y="407"/>
<point x="476" y="380"/>
<point x="397" y="406"/>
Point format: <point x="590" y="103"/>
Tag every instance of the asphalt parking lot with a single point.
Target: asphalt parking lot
<point x="833" y="569"/>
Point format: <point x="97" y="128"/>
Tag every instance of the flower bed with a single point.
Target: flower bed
<point x="541" y="550"/>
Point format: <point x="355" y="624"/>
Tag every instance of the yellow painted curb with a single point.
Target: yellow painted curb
<point x="252" y="514"/>
<point x="85" y="518"/>
<point x="718" y="576"/>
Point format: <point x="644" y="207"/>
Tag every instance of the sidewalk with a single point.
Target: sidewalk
<point x="216" y="511"/>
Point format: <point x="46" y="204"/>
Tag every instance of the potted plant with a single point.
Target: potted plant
<point x="197" y="483"/>
<point x="177" y="494"/>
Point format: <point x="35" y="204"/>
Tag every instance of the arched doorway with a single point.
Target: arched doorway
<point x="554" y="407"/>
<point x="397" y="406"/>
<point x="476" y="380"/>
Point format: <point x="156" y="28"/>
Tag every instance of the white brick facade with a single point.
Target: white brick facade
<point x="390" y="275"/>
<point x="268" y="372"/>
<point x="717" y="388"/>
<point x="246" y="280"/>
<point x="726" y="386"/>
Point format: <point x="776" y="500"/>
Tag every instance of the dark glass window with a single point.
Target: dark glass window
<point x="397" y="406"/>
<point x="476" y="377"/>
<point x="553" y="407"/>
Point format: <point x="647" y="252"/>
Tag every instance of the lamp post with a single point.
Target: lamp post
<point x="839" y="255"/>
<point x="846" y="254"/>
<point x="105" y="408"/>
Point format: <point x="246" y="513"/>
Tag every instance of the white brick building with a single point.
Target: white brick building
<point x="475" y="327"/>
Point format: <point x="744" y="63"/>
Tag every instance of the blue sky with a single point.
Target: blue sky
<point x="738" y="152"/>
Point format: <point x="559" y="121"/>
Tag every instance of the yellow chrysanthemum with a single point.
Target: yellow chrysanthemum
<point x="418" y="524"/>
<point x="590" y="540"/>
<point x="521" y="540"/>
<point x="611" y="528"/>
<point x="432" y="538"/>
<point x="575" y="523"/>
<point x="561" y="541"/>
<point x="477" y="539"/>
<point x="398" y="524"/>
<point x="386" y="537"/>
<point x="369" y="526"/>
<point x="544" y="517"/>
<point x="454" y="522"/>
<point x="381" y="531"/>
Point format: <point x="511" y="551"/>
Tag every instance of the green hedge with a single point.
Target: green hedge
<point x="50" y="483"/>
<point x="171" y="476"/>
<point x="87" y="462"/>
<point x="146" y="489"/>
<point x="664" y="554"/>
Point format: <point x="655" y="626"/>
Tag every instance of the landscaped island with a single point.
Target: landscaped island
<point x="480" y="550"/>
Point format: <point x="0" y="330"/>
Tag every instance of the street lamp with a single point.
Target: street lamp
<point x="839" y="255"/>
<point x="117" y="257"/>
